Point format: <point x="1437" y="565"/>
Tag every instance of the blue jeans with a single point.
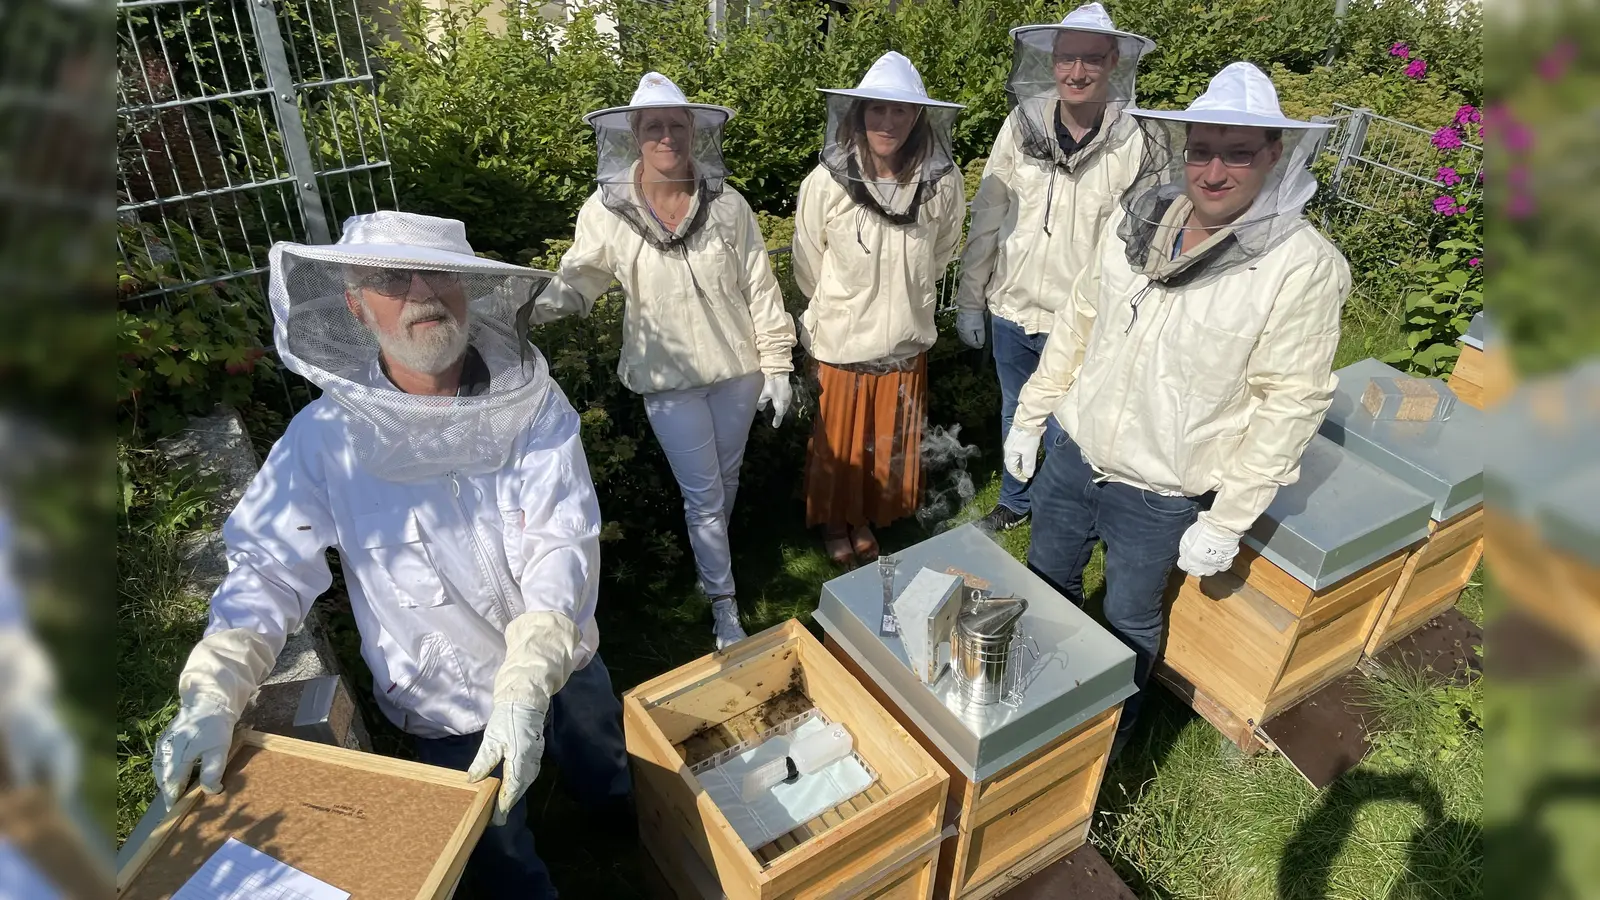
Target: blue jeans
<point x="583" y="737"/>
<point x="1072" y="513"/>
<point x="1016" y="355"/>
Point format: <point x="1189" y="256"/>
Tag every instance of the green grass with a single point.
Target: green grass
<point x="1181" y="815"/>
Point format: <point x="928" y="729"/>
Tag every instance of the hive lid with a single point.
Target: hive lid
<point x="1341" y="516"/>
<point x="1442" y="459"/>
<point x="1082" y="671"/>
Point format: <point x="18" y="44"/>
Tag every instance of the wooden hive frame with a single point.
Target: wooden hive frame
<point x="1021" y="819"/>
<point x="1247" y="644"/>
<point x="1432" y="580"/>
<point x="167" y="857"/>
<point x="879" y="844"/>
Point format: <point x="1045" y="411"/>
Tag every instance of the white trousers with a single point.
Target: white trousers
<point x="703" y="431"/>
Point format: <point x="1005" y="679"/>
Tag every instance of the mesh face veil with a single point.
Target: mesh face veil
<point x="888" y="144"/>
<point x="660" y="137"/>
<point x="326" y="330"/>
<point x="1083" y="59"/>
<point x="1239" y="111"/>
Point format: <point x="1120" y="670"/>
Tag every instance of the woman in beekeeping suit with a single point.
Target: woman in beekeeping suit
<point x="706" y="340"/>
<point x="877" y="224"/>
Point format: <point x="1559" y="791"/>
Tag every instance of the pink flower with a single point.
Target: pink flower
<point x="1475" y="262"/>
<point x="1517" y="175"/>
<point x="1554" y="65"/>
<point x="1520" y="206"/>
<point x="1400" y="49"/>
<point x="1417" y="69"/>
<point x="1448" y="177"/>
<point x="1514" y="135"/>
<point x="1447" y="138"/>
<point x="1468" y="113"/>
<point x="1444" y="206"/>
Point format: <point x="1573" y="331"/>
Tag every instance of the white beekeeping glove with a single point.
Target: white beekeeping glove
<point x="1206" y="549"/>
<point x="222" y="673"/>
<point x="1022" y="452"/>
<point x="540" y="646"/>
<point x="778" y="393"/>
<point x="970" y="328"/>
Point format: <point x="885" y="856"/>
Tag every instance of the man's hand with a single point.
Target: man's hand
<point x="970" y="328"/>
<point x="778" y="393"/>
<point x="1022" y="452"/>
<point x="514" y="738"/>
<point x="201" y="732"/>
<point x="1205" y="549"/>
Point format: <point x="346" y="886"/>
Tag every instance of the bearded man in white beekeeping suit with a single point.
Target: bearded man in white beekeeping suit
<point x="445" y="466"/>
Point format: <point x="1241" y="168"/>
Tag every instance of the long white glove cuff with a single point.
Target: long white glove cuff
<point x="540" y="648"/>
<point x="26" y="675"/>
<point x="227" y="667"/>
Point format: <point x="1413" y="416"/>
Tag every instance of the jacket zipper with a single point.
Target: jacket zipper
<point x="484" y="569"/>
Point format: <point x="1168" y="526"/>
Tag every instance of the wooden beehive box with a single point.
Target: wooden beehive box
<point x="1023" y="818"/>
<point x="1432" y="580"/>
<point x="1247" y="644"/>
<point x="881" y="844"/>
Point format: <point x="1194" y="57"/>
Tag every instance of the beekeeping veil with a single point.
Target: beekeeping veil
<point x="924" y="158"/>
<point x="1158" y="207"/>
<point x="400" y="436"/>
<point x="1035" y="93"/>
<point x="618" y="132"/>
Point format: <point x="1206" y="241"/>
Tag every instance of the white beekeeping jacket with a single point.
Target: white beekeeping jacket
<point x="435" y="567"/>
<point x="1036" y="224"/>
<point x="1214" y="384"/>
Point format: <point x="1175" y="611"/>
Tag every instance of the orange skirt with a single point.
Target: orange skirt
<point x="864" y="463"/>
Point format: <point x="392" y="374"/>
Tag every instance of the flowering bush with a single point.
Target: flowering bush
<point x="1449" y="287"/>
<point x="1418" y="68"/>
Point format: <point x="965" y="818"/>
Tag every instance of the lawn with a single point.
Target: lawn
<point x="1181" y="814"/>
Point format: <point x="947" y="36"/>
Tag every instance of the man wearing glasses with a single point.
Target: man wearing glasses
<point x="445" y="466"/>
<point x="1065" y="153"/>
<point x="1192" y="365"/>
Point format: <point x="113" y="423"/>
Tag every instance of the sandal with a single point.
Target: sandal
<point x="837" y="544"/>
<point x="864" y="543"/>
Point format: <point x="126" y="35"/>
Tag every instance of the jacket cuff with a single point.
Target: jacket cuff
<point x="540" y="648"/>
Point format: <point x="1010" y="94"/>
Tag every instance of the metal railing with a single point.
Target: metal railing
<point x="1389" y="167"/>
<point x="241" y="123"/>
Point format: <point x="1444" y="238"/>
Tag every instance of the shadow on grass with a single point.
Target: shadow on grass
<point x="1442" y="858"/>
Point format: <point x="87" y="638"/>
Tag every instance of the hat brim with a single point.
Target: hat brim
<point x="402" y="256"/>
<point x="1226" y="117"/>
<point x="725" y="112"/>
<point x="892" y="96"/>
<point x="1146" y="45"/>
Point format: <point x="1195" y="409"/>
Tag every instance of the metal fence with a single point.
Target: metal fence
<point x="1385" y="166"/>
<point x="240" y="123"/>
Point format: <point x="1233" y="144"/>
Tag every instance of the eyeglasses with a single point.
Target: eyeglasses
<point x="1233" y="159"/>
<point x="1093" y="63"/>
<point x="397" y="282"/>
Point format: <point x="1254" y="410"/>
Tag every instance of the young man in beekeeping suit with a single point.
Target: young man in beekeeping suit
<point x="444" y="464"/>
<point x="1193" y="365"/>
<point x="1065" y="154"/>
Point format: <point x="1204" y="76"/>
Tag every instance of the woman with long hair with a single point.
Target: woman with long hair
<point x="878" y="221"/>
<point x="706" y="340"/>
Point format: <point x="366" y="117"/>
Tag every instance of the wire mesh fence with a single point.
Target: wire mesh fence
<point x="240" y="123"/>
<point x="1387" y="167"/>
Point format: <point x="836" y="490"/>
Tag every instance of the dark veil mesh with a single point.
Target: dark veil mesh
<point x="1033" y="95"/>
<point x="927" y="157"/>
<point x="617" y="145"/>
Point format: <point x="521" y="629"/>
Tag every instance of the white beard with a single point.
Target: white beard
<point x="431" y="351"/>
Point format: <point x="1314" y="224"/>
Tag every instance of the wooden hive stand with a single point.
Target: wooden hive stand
<point x="1432" y="580"/>
<point x="882" y="844"/>
<point x="1247" y="644"/>
<point x="1023" y="818"/>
